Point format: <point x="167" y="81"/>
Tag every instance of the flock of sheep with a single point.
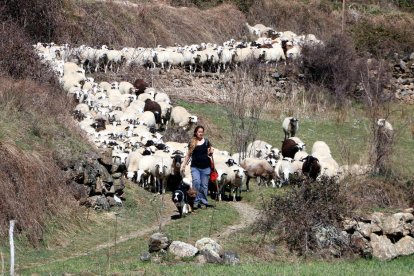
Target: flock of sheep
<point x="128" y="117"/>
<point x="270" y="47"/>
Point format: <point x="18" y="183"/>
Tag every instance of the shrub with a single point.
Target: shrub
<point x="334" y="65"/>
<point x="304" y="212"/>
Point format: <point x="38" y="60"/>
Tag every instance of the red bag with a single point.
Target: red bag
<point x="213" y="174"/>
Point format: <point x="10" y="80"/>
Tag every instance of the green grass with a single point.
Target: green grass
<point x="100" y="229"/>
<point x="348" y="138"/>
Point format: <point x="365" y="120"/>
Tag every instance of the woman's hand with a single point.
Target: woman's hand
<point x="210" y="151"/>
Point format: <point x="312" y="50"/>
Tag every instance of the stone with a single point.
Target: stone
<point x="394" y="224"/>
<point x="405" y="246"/>
<point x="349" y="224"/>
<point x="211" y="256"/>
<point x="101" y="203"/>
<point x="200" y="259"/>
<point x="91" y="201"/>
<point x="157" y="242"/>
<point x="111" y="201"/>
<point x="406" y="217"/>
<point x="231" y="258"/>
<point x="207" y="243"/>
<point x="367" y="228"/>
<point x="116" y="175"/>
<point x="145" y="257"/>
<point x="382" y="247"/>
<point x="361" y="245"/>
<point x="182" y="249"/>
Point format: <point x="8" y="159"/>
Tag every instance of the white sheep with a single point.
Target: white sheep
<point x="233" y="178"/>
<point x="147" y="119"/>
<point x="126" y="88"/>
<point x="274" y="54"/>
<point x="290" y="126"/>
<point x="181" y="117"/>
<point x="284" y="170"/>
<point x="162" y="98"/>
<point x="258" y="149"/>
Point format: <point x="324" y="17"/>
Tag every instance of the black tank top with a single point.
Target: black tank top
<point x="199" y="158"/>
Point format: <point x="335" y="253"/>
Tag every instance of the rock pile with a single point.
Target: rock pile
<point x="97" y="182"/>
<point x="403" y="79"/>
<point x="206" y="250"/>
<point x="382" y="236"/>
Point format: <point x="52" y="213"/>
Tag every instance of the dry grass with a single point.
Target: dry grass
<point x="32" y="189"/>
<point x="148" y="24"/>
<point x="36" y="142"/>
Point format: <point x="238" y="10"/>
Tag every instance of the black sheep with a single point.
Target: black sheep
<point x="289" y="148"/>
<point x="311" y="167"/>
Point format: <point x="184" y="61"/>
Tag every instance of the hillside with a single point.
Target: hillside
<point x="43" y="146"/>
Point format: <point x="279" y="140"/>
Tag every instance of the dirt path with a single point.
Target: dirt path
<point x="166" y="219"/>
<point x="248" y="215"/>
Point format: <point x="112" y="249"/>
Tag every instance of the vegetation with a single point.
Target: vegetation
<point x="38" y="140"/>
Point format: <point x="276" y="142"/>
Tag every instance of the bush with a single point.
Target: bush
<point x="309" y="209"/>
<point x="334" y="65"/>
<point x="40" y="19"/>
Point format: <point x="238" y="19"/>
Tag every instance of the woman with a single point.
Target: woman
<point x="199" y="151"/>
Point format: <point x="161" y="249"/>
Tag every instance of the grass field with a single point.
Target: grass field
<point x="347" y="135"/>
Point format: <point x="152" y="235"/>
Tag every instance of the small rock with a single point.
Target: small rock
<point x="349" y="224"/>
<point x="111" y="201"/>
<point x="231" y="258"/>
<point x="145" y="257"/>
<point x="405" y="246"/>
<point x="101" y="203"/>
<point x="382" y="248"/>
<point x="157" y="242"/>
<point x="207" y="243"/>
<point x="116" y="175"/>
<point x="211" y="256"/>
<point x="201" y="259"/>
<point x="182" y="249"/>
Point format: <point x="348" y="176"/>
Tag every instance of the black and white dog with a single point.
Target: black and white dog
<point x="181" y="198"/>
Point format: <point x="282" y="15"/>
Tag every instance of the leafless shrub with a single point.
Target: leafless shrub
<point x="246" y="96"/>
<point x="334" y="65"/>
<point x="371" y="193"/>
<point x="374" y="79"/>
<point x="39" y="19"/>
<point x="18" y="58"/>
<point x="298" y="216"/>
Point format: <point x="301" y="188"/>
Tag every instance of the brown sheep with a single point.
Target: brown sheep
<point x="289" y="148"/>
<point x="311" y="167"/>
<point x="140" y="86"/>
<point x="255" y="167"/>
<point x="155" y="108"/>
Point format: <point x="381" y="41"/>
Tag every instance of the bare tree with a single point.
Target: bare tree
<point x="245" y="96"/>
<point x="373" y="81"/>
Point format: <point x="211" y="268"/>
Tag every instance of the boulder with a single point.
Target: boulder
<point x="101" y="203"/>
<point x="394" y="225"/>
<point x="382" y="247"/>
<point x="367" y="228"/>
<point x="200" y="259"/>
<point x="405" y="246"/>
<point x="207" y="243"/>
<point x="157" y="242"/>
<point x="231" y="258"/>
<point x="361" y="245"/>
<point x="211" y="256"/>
<point x="145" y="257"/>
<point x="182" y="249"/>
